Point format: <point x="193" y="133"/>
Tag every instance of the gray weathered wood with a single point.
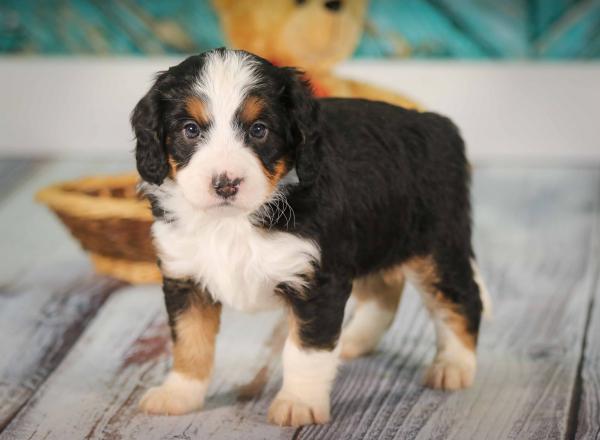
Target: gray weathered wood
<point x="31" y="234"/>
<point x="534" y="238"/>
<point x="39" y="323"/>
<point x="13" y="172"/>
<point x="94" y="392"/>
<point x="48" y="292"/>
<point x="588" y="397"/>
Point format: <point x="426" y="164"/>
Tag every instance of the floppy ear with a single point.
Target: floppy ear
<point x="304" y="112"/>
<point x="150" y="152"/>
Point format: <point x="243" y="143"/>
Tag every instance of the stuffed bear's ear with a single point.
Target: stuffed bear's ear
<point x="304" y="112"/>
<point x="150" y="152"/>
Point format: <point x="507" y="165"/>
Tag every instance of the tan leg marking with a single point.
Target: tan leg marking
<point x="454" y="364"/>
<point x="308" y="376"/>
<point x="194" y="350"/>
<point x="193" y="355"/>
<point x="377" y="298"/>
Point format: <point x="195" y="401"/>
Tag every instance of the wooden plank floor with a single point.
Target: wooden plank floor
<point x="78" y="350"/>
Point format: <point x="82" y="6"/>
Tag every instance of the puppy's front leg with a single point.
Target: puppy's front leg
<point x="311" y="353"/>
<point x="194" y="320"/>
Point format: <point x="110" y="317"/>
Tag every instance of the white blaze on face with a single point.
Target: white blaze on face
<point x="223" y="84"/>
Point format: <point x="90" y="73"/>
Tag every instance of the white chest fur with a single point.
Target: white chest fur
<point x="238" y="263"/>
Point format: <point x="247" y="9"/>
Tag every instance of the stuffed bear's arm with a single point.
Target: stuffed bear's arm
<point x="331" y="85"/>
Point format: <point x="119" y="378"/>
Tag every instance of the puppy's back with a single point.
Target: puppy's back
<point x="402" y="174"/>
<point x="362" y="136"/>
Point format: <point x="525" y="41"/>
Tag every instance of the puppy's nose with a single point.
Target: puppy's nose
<point x="224" y="186"/>
<point x="333" y="5"/>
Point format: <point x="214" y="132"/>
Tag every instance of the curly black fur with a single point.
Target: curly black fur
<point x="378" y="185"/>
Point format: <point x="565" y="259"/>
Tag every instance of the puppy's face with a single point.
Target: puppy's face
<point x="226" y="127"/>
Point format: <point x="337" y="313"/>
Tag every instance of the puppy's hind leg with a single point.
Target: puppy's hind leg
<point x="486" y="299"/>
<point x="377" y="297"/>
<point x="451" y="295"/>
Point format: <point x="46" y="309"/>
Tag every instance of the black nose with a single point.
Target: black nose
<point x="224" y="186"/>
<point x="333" y="5"/>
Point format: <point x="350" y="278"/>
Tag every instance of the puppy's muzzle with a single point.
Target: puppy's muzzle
<point x="224" y="186"/>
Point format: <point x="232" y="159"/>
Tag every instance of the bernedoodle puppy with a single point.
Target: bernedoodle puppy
<point x="264" y="197"/>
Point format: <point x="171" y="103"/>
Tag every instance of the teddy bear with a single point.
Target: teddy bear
<point x="313" y="35"/>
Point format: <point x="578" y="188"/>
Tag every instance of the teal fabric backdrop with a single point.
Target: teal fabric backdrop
<point x="471" y="29"/>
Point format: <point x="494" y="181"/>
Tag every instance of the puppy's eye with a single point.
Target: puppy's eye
<point x="191" y="130"/>
<point x="258" y="130"/>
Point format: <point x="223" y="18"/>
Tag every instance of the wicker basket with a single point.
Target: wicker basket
<point x="110" y="221"/>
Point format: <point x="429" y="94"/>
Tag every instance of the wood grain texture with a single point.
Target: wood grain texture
<point x="47" y="290"/>
<point x="432" y="28"/>
<point x="95" y="391"/>
<point x="534" y="240"/>
<point x="588" y="396"/>
<point x="537" y="243"/>
<point x="31" y="234"/>
<point x="39" y="323"/>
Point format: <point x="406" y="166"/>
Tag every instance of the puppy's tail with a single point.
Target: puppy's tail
<point x="484" y="294"/>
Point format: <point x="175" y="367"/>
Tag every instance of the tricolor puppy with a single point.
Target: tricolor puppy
<point x="264" y="196"/>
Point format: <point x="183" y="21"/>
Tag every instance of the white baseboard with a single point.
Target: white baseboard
<point x="81" y="106"/>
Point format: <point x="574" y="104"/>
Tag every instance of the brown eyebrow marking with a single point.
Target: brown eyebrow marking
<point x="197" y="110"/>
<point x="251" y="109"/>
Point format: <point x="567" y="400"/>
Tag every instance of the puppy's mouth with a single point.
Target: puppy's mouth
<point x="222" y="204"/>
<point x="224" y="207"/>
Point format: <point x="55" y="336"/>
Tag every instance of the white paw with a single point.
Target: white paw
<point x="451" y="373"/>
<point x="289" y="411"/>
<point x="177" y="395"/>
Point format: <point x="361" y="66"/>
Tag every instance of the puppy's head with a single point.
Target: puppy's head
<point x="226" y="126"/>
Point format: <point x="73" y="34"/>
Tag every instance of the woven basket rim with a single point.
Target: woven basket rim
<point x="135" y="272"/>
<point x="68" y="197"/>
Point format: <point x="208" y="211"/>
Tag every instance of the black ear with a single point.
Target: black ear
<point x="304" y="112"/>
<point x="150" y="152"/>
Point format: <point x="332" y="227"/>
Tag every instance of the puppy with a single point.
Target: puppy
<point x="265" y="197"/>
